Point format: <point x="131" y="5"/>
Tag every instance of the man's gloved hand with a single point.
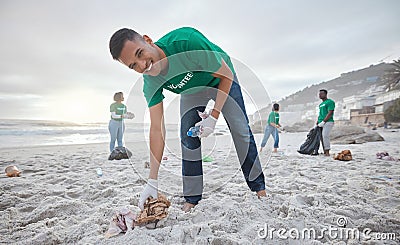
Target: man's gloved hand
<point x="207" y="126"/>
<point x="203" y="115"/>
<point x="150" y="190"/>
<point x="321" y="124"/>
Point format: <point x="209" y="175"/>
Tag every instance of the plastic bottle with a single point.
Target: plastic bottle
<point x="194" y="131"/>
<point x="99" y="172"/>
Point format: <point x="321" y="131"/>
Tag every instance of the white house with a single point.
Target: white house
<point x="383" y="101"/>
<point x="354" y="102"/>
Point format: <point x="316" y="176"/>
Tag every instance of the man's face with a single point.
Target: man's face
<point x="142" y="56"/>
<point x="322" y="95"/>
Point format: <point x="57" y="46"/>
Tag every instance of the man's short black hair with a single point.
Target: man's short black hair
<point x="118" y="40"/>
<point x="324" y="90"/>
<point x="276" y="107"/>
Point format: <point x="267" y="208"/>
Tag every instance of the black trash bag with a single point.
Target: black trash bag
<point x="311" y="145"/>
<point x="120" y="153"/>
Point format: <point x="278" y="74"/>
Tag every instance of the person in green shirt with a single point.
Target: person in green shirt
<point x="272" y="128"/>
<point x="116" y="126"/>
<point x="325" y="119"/>
<point x="185" y="62"/>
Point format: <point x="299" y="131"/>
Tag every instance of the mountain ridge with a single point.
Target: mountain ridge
<point x="366" y="82"/>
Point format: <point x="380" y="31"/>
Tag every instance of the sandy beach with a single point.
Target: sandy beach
<point x="60" y="199"/>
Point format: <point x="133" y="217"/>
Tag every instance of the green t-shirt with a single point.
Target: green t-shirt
<point x="119" y="109"/>
<point x="273" y="117"/>
<point x="324" y="108"/>
<point x="192" y="59"/>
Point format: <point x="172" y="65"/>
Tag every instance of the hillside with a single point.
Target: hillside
<point x="364" y="83"/>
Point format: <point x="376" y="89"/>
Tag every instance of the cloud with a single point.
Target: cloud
<point x="54" y="47"/>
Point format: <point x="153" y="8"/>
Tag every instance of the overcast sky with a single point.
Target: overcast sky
<point x="55" y="62"/>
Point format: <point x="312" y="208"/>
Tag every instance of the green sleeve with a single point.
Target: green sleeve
<point x="154" y="99"/>
<point x="152" y="90"/>
<point x="203" y="53"/>
<point x="113" y="108"/>
<point x="271" y="118"/>
<point x="331" y="105"/>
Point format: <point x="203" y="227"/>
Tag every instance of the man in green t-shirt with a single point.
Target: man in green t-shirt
<point x="185" y="62"/>
<point x="325" y="119"/>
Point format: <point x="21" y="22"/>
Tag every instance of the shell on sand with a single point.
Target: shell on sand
<point x="12" y="171"/>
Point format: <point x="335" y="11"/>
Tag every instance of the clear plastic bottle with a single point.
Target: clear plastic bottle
<point x="194" y="131"/>
<point x="99" y="172"/>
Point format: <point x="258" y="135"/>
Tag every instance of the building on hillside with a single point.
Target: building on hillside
<point x="309" y="114"/>
<point x="372" y="114"/>
<point x="353" y="102"/>
<point x="340" y="111"/>
<point x="366" y="116"/>
<point x="383" y="101"/>
<point x="310" y="111"/>
<point x="295" y="107"/>
<point x="289" y="118"/>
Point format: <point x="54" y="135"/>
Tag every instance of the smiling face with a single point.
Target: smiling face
<point x="143" y="56"/>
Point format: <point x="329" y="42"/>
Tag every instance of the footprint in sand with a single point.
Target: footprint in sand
<point x="27" y="171"/>
<point x="74" y="193"/>
<point x="27" y="209"/>
<point x="57" y="180"/>
<point x="305" y="200"/>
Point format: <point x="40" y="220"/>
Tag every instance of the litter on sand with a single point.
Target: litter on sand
<point x="124" y="220"/>
<point x="120" y="153"/>
<point x="385" y="178"/>
<point x="154" y="210"/>
<point x="12" y="171"/>
<point x="344" y="155"/>
<point x="207" y="159"/>
<point x="385" y="156"/>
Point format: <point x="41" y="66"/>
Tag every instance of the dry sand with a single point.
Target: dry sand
<point x="60" y="199"/>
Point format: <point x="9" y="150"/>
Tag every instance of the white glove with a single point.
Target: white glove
<point x="207" y="126"/>
<point x="321" y="124"/>
<point x="150" y="190"/>
<point x="203" y="115"/>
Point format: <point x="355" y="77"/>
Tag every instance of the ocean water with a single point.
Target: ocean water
<point x="22" y="133"/>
